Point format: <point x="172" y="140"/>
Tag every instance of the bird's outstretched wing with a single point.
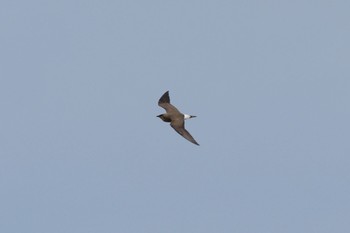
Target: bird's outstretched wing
<point x="179" y="126"/>
<point x="164" y="102"/>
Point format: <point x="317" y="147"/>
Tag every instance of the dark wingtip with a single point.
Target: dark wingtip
<point x="165" y="98"/>
<point x="194" y="142"/>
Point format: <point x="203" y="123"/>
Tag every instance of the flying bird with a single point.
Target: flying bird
<point x="175" y="117"/>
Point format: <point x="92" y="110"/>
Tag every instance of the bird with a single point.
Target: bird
<point x="175" y="117"/>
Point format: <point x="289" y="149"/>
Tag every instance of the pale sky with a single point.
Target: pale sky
<point x="81" y="148"/>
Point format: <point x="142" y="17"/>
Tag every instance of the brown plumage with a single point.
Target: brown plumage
<point x="175" y="117"/>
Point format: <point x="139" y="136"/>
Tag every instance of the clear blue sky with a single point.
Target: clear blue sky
<point x="81" y="149"/>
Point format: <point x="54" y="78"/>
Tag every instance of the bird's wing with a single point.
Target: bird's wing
<point x="179" y="126"/>
<point x="164" y="102"/>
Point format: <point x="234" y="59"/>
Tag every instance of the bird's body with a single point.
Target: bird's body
<point x="175" y="117"/>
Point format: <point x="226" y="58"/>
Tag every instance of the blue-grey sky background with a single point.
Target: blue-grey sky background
<point x="81" y="148"/>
